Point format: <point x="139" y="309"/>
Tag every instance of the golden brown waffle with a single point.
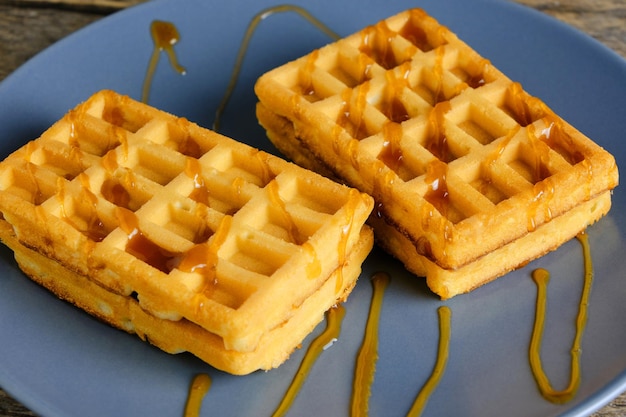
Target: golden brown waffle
<point x="460" y="160"/>
<point x="172" y="231"/>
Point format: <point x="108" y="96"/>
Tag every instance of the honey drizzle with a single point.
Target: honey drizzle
<point x="164" y="35"/>
<point x="445" y="315"/>
<point x="541" y="278"/>
<point x="243" y="48"/>
<point x="334" y="317"/>
<point x="198" y="389"/>
<point x="368" y="354"/>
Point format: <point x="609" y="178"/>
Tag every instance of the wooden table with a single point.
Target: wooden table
<point x="28" y="26"/>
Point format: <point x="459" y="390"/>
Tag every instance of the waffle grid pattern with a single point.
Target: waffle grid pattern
<point x="447" y="145"/>
<point x="191" y="224"/>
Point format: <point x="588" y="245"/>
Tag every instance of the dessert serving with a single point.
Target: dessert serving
<point x="472" y="176"/>
<point x="191" y="240"/>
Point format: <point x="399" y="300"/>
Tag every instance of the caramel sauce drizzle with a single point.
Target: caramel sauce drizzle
<point x="368" y="354"/>
<point x="445" y="315"/>
<point x="541" y="278"/>
<point x="164" y="35"/>
<point x="256" y="20"/>
<point x="334" y="317"/>
<point x="198" y="389"/>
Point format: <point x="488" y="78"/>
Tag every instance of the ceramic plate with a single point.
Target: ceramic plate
<point x="61" y="362"/>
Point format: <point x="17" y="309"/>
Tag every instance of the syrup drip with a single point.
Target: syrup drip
<point x="541" y="278"/>
<point x="200" y="192"/>
<point x="115" y="192"/>
<point x="415" y="34"/>
<point x="383" y="182"/>
<point x="540" y="153"/>
<point x="437" y="142"/>
<point x="292" y="228"/>
<point x="345" y="234"/>
<point x="265" y="174"/>
<point x="313" y="268"/>
<point x="519" y="107"/>
<point x="198" y="389"/>
<point x="391" y="154"/>
<point x="437" y="72"/>
<point x="96" y="230"/>
<point x="440" y="366"/>
<point x="544" y="191"/>
<point x="543" y="188"/>
<point x="476" y="73"/>
<point x="256" y="20"/>
<point x="391" y="106"/>
<point x="437" y="194"/>
<point x="305" y="76"/>
<point x="37" y="196"/>
<point x="190" y="148"/>
<point x="556" y="138"/>
<point x="334" y="318"/>
<point x="141" y="246"/>
<point x="368" y="354"/>
<point x="164" y="35"/>
<point x="350" y="116"/>
<point x="376" y="43"/>
<point x="203" y="257"/>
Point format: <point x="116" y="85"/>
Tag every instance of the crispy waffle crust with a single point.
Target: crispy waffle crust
<point x="187" y="238"/>
<point x="463" y="164"/>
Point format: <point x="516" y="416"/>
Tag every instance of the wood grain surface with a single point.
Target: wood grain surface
<point x="29" y="26"/>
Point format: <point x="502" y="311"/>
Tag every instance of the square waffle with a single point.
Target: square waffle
<point x="471" y="175"/>
<point x="187" y="238"/>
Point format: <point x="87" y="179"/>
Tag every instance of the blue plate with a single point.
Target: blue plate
<point x="61" y="362"/>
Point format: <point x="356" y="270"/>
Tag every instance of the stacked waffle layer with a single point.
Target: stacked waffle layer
<point x="187" y="238"/>
<point x="472" y="176"/>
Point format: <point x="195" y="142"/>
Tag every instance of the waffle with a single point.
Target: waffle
<point x="187" y="238"/>
<point x="462" y="162"/>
